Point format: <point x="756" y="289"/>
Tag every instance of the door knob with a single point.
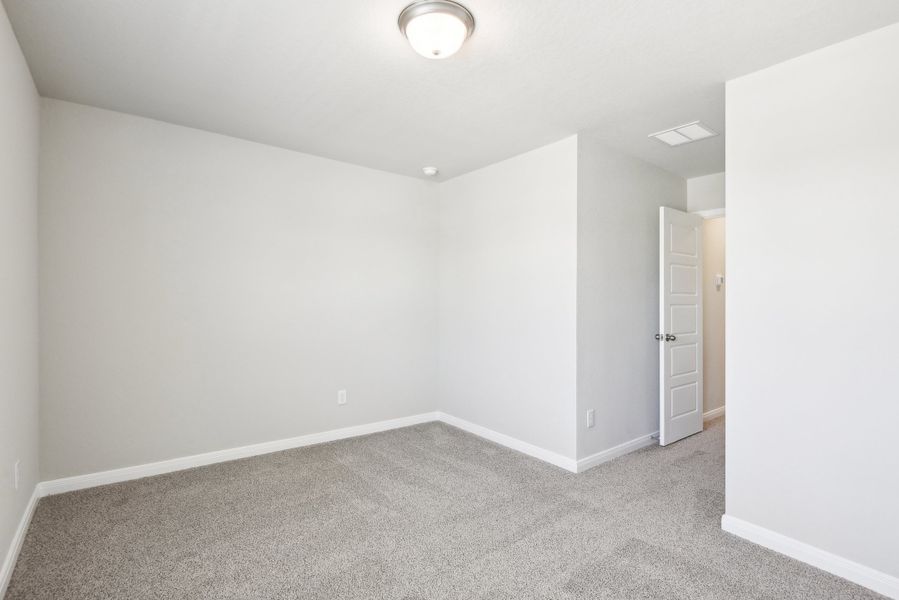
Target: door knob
<point x="659" y="336"/>
<point x="669" y="337"/>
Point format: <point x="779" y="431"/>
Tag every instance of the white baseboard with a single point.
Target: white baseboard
<point x="842" y="567"/>
<point x="713" y="414"/>
<point x="9" y="562"/>
<point x="564" y="462"/>
<point x="80" y="482"/>
<point x="870" y="578"/>
<point x="559" y="460"/>
<point x="620" y="450"/>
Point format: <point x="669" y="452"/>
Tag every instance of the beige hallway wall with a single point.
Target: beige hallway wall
<point x="713" y="314"/>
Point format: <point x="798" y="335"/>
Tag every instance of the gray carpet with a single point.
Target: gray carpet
<point x="425" y="512"/>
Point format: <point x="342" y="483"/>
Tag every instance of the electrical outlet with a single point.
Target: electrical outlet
<point x="341" y="397"/>
<point x="15" y="474"/>
<point x="591" y="418"/>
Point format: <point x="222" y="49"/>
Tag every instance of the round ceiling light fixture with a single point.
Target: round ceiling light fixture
<point x="436" y="28"/>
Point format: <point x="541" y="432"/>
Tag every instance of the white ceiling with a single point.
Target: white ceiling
<point x="336" y="78"/>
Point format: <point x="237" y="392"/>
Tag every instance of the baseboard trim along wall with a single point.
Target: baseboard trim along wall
<point x="9" y="561"/>
<point x="553" y="458"/>
<point x="650" y="439"/>
<point x="559" y="460"/>
<point x="713" y="414"/>
<point x="837" y="565"/>
<point x="80" y="482"/>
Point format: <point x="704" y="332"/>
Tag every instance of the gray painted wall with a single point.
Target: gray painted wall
<point x="706" y="192"/>
<point x="618" y="293"/>
<point x="508" y="279"/>
<point x="19" y="120"/>
<point x="812" y="244"/>
<point x="201" y="292"/>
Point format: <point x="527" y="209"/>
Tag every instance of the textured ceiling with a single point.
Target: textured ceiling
<point x="336" y="78"/>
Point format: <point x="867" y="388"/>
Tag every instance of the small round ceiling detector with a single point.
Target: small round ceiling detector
<point x="436" y="29"/>
<point x="430" y="171"/>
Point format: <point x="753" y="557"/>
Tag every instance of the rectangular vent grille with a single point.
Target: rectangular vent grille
<point x="684" y="134"/>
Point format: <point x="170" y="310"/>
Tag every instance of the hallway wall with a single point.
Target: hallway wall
<point x="713" y="313"/>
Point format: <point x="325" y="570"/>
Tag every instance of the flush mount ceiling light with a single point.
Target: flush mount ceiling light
<point x="436" y="28"/>
<point x="684" y="134"/>
<point x="430" y="171"/>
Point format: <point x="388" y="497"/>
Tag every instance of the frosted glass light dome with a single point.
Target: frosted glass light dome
<point x="436" y="29"/>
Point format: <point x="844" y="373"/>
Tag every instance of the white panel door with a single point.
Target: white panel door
<point x="680" y="316"/>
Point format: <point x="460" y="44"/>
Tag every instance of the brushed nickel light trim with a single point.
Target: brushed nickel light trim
<point x="428" y="7"/>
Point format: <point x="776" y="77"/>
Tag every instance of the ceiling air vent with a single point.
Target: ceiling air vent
<point x="684" y="134"/>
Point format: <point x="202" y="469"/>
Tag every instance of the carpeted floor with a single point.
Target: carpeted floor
<point x="425" y="512"/>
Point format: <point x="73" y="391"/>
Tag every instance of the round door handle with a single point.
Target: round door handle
<point x="659" y="337"/>
<point x="670" y="338"/>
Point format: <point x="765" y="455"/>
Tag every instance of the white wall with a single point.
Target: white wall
<point x="713" y="312"/>
<point x="813" y="361"/>
<point x="19" y="106"/>
<point x="508" y="279"/>
<point x="201" y="292"/>
<point x="618" y="293"/>
<point x="706" y="192"/>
